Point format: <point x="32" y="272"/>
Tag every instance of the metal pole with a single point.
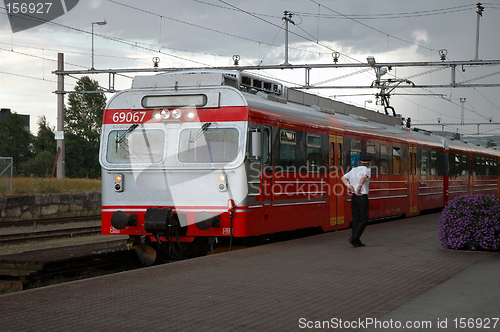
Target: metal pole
<point x="462" y="100"/>
<point x="60" y="117"/>
<point x="92" y="46"/>
<point x="287" y="16"/>
<point x="286" y="41"/>
<point x="11" y="174"/>
<point x="479" y="12"/>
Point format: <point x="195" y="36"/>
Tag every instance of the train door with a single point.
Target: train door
<point x="412" y="180"/>
<point x="336" y="186"/>
<point x="267" y="168"/>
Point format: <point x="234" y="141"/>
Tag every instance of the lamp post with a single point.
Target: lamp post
<point x="103" y="22"/>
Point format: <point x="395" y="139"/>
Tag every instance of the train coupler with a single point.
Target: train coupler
<point x="157" y="220"/>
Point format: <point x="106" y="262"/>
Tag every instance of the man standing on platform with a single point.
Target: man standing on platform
<point x="357" y="181"/>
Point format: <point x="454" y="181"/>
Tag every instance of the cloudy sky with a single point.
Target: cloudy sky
<point x="194" y="33"/>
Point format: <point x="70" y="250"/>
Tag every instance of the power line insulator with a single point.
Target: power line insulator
<point x="236" y="59"/>
<point x="156" y="61"/>
<point x="443" y="53"/>
<point x="335" y="56"/>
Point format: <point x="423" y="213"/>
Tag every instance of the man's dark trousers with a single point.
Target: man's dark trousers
<point x="360" y="208"/>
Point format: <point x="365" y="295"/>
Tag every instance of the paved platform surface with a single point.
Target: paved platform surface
<point x="402" y="276"/>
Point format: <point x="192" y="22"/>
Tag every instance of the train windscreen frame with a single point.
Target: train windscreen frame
<point x="130" y="146"/>
<point x="209" y="145"/>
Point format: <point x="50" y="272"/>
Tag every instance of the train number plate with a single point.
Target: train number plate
<point x="129" y="117"/>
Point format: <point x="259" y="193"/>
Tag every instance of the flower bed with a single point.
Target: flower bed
<point x="471" y="222"/>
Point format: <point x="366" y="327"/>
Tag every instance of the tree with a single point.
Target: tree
<point x="83" y="117"/>
<point x="45" y="137"/>
<point x="14" y="140"/>
<point x="82" y="158"/>
<point x="83" y="123"/>
<point x="44" y="149"/>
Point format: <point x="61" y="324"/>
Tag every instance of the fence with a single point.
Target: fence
<point x="6" y="168"/>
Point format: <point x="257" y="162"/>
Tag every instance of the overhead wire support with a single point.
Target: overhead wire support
<point x="287" y="17"/>
<point x="308" y="68"/>
<point x="479" y="12"/>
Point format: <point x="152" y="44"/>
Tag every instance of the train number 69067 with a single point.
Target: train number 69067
<point x="128" y="116"/>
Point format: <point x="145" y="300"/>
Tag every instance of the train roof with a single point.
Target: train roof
<point x="315" y="110"/>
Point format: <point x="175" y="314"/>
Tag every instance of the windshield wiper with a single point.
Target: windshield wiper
<point x="200" y="132"/>
<point x="124" y="135"/>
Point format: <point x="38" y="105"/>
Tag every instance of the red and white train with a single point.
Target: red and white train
<point x="197" y="158"/>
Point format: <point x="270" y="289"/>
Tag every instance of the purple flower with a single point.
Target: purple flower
<point x="471" y="222"/>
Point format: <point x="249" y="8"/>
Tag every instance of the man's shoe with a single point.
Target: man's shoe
<point x="354" y="244"/>
<point x="360" y="244"/>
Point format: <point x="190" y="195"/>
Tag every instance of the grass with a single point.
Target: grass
<point x="27" y="186"/>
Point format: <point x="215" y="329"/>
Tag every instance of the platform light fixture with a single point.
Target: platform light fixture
<point x="371" y="61"/>
<point x="103" y="22"/>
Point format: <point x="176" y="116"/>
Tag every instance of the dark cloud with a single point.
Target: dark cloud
<point x="210" y="32"/>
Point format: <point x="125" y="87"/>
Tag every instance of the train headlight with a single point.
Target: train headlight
<point x="165" y="114"/>
<point x="190" y="114"/>
<point x="222" y="182"/>
<point x="118" y="182"/>
<point x="157" y="115"/>
<point x="176" y="113"/>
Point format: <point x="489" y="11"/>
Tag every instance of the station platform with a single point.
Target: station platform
<point x="402" y="280"/>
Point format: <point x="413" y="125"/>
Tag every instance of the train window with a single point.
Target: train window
<point x="412" y="162"/>
<point x="463" y="165"/>
<point x="384" y="159"/>
<point x="433" y="163"/>
<point x="252" y="156"/>
<point x="313" y="152"/>
<point x="266" y="146"/>
<point x="487" y="168"/>
<point x="355" y="152"/>
<point x="133" y="146"/>
<point x="372" y="152"/>
<point x="213" y="145"/>
<point x="332" y="157"/>
<point x="424" y="162"/>
<point x="396" y="160"/>
<point x="415" y="163"/>
<point x="288" y="149"/>
<point x="475" y="165"/>
<point x="453" y="164"/>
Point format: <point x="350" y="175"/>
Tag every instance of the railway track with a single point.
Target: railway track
<point x="18" y="238"/>
<point x="56" y="265"/>
<point x="33" y="266"/>
<point x="49" y="221"/>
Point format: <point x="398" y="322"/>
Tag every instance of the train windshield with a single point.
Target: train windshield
<point x="208" y="144"/>
<point x="135" y="146"/>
